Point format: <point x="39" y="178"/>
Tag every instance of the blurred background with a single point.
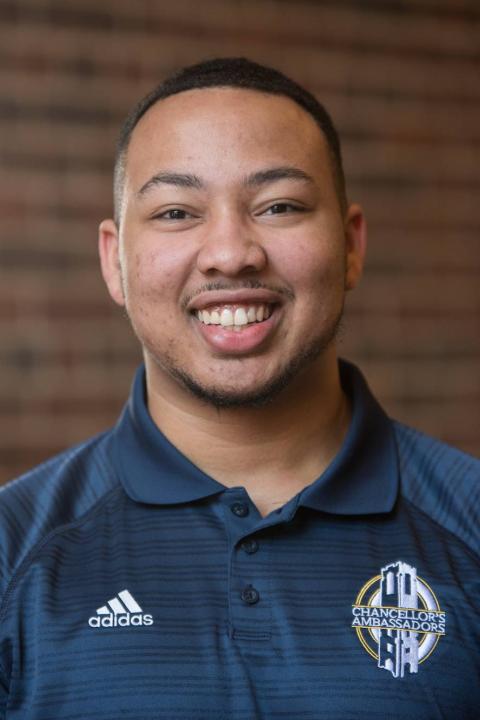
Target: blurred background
<point x="401" y="80"/>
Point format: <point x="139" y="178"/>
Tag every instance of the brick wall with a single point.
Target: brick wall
<point x="401" y="81"/>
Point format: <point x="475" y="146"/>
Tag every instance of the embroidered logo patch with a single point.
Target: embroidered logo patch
<point x="398" y="619"/>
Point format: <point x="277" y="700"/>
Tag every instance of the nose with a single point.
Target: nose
<point x="230" y="247"/>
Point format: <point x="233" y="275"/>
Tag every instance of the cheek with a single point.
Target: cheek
<point x="153" y="274"/>
<point x="310" y="264"/>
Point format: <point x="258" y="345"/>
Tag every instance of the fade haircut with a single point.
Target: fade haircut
<point x="235" y="72"/>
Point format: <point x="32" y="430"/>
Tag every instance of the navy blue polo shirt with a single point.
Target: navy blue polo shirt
<point x="135" y="586"/>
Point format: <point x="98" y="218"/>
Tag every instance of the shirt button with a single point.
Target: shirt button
<point x="239" y="509"/>
<point x="250" y="595"/>
<point x="249" y="546"/>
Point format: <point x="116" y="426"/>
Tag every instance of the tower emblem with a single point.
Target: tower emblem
<point x="398" y="619"/>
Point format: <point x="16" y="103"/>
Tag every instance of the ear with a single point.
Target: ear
<point x="108" y="247"/>
<point x="356" y="245"/>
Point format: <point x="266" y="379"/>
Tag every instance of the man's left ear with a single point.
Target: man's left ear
<point x="356" y="245"/>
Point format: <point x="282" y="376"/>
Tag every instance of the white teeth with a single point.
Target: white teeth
<point x="240" y="317"/>
<point x="226" y="318"/>
<point x="234" y="318"/>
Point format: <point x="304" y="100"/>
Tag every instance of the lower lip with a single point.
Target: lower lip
<point x="230" y="342"/>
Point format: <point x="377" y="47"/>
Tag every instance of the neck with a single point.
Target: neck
<point x="272" y="451"/>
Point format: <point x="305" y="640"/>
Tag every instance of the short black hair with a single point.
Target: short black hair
<point x="235" y="72"/>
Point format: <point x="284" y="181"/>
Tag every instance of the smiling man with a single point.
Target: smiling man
<point x="255" y="538"/>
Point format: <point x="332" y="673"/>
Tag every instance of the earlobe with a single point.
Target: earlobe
<point x="109" y="251"/>
<point x="356" y="245"/>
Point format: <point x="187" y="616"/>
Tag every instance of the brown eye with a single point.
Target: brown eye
<point x="282" y="208"/>
<point x="173" y="214"/>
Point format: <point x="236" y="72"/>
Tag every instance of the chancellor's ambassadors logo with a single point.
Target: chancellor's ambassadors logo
<point x="398" y="619"/>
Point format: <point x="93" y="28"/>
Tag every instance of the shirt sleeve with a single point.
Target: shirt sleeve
<point x="3" y="695"/>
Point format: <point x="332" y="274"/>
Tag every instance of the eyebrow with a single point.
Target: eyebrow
<point x="286" y="172"/>
<point x="171" y="178"/>
<point x="256" y="179"/>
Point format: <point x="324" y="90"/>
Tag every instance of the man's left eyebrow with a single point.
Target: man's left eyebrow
<point x="170" y="178"/>
<point x="286" y="172"/>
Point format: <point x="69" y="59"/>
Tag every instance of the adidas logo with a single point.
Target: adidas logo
<point x="121" y="610"/>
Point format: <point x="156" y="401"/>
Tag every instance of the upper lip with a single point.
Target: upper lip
<point x="246" y="296"/>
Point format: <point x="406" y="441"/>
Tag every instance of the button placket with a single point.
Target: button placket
<point x="249" y="604"/>
<point x="250" y="600"/>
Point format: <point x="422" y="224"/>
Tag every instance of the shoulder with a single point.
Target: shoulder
<point x="51" y="496"/>
<point x="442" y="482"/>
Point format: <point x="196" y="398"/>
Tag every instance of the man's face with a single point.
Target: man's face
<point x="233" y="255"/>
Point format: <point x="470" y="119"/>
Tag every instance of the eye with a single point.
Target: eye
<point x="173" y="214"/>
<point x="282" y="209"/>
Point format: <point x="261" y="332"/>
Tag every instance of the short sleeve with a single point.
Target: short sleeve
<point x="3" y="695"/>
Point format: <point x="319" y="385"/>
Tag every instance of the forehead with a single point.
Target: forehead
<point x="222" y="129"/>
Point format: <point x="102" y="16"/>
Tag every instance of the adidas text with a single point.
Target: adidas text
<point x="120" y="620"/>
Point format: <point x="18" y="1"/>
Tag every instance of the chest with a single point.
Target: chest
<point x="191" y="617"/>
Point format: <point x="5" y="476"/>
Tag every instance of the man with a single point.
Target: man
<point x="255" y="538"/>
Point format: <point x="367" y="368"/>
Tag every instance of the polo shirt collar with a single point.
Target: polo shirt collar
<point x="362" y="478"/>
<point x="151" y="469"/>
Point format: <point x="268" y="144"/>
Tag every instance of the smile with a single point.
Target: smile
<point x="235" y="317"/>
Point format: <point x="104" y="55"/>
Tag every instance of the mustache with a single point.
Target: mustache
<point x="244" y="285"/>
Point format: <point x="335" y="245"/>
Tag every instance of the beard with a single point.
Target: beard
<point x="221" y="398"/>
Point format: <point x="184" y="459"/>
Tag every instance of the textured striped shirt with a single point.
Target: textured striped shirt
<point x="135" y="586"/>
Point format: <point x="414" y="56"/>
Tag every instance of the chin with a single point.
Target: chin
<point x="261" y="395"/>
<point x="266" y="391"/>
<point x="229" y="398"/>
